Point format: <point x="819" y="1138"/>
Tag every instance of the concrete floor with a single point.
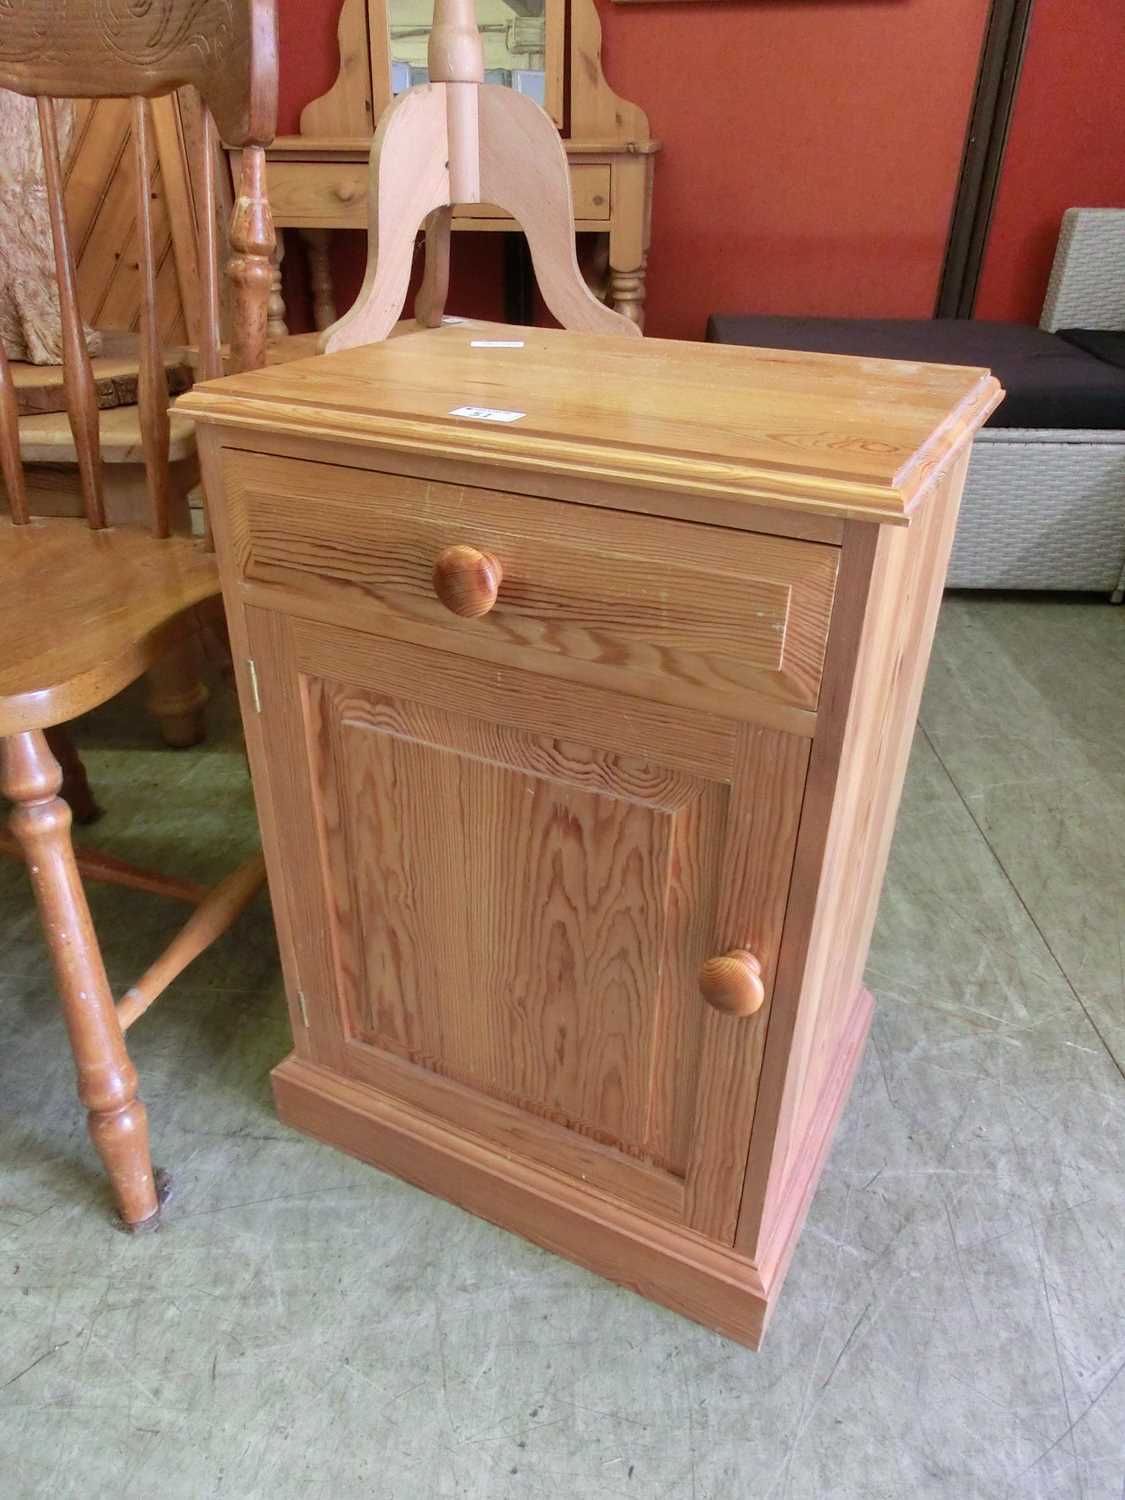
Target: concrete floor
<point x="954" y="1322"/>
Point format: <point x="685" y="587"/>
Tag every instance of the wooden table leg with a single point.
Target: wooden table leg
<point x="627" y="294"/>
<point x="276" y="326"/>
<point x="107" y="1081"/>
<point x="320" y="278"/>
<point x="177" y="695"/>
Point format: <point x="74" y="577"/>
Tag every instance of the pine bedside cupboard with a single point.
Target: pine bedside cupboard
<point x="579" y="679"/>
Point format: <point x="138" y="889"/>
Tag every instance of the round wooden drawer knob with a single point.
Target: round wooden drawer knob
<point x="346" y="191"/>
<point x="732" y="983"/>
<point x="467" y="581"/>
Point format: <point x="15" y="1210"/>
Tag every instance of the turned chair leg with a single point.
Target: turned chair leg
<point x="107" y="1081"/>
<point x="177" y="695"/>
<point x="75" y="787"/>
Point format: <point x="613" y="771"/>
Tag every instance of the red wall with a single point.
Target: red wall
<point x="811" y="149"/>
<point x="1066" y="148"/>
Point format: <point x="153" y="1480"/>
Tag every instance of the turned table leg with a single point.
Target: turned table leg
<point x="177" y="695"/>
<point x="276" y="326"/>
<point x="627" y="293"/>
<point x="107" y="1081"/>
<point x="320" y="278"/>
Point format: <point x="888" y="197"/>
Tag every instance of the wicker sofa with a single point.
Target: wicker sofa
<point x="1044" y="504"/>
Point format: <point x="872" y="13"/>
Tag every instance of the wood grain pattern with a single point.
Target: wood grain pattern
<point x="467" y="581"/>
<point x="693" y="614"/>
<point x="527" y="910"/>
<point x="553" y="902"/>
<point x="667" y="1263"/>
<point x="10" y="466"/>
<point x="78" y="379"/>
<point x="152" y="388"/>
<point x="596" y="112"/>
<point x="115" y="599"/>
<point x="523" y="169"/>
<point x="755" y="874"/>
<point x="819" y="433"/>
<point x="113" y="48"/>
<point x="876" y="665"/>
<point x="346" y="109"/>
<point x="684" y="739"/>
<point x="497" y="878"/>
<point x="39" y="388"/>
<point x="602" y="494"/>
<point x="732" y="983"/>
<point x="101" y="211"/>
<point x="48" y="438"/>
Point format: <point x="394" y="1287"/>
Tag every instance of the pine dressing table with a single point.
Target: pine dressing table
<point x="579" y="679"/>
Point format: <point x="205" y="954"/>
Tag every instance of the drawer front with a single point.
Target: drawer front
<point x="321" y="194"/>
<point x="724" y="621"/>
<point x="334" y="194"/>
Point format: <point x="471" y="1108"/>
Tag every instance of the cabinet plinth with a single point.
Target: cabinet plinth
<point x="577" y="748"/>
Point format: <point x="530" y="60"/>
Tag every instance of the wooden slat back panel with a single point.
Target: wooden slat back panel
<point x="78" y="376"/>
<point x="152" y="387"/>
<point x="10" y="465"/>
<point x="115" y="59"/>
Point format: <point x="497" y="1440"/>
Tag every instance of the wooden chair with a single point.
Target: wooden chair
<point x="86" y="608"/>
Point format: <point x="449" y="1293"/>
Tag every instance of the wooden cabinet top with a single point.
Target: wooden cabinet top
<point x="823" y="434"/>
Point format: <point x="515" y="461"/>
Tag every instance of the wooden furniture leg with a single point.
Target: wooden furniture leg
<point x="177" y="695"/>
<point x="460" y="140"/>
<point x="429" y="305"/>
<point x="627" y="293"/>
<point x="629" y="238"/>
<point x="276" y="326"/>
<point x="75" y="787"/>
<point x="315" y="242"/>
<point x="409" y="177"/>
<point x="523" y="169"/>
<point x="107" y="1081"/>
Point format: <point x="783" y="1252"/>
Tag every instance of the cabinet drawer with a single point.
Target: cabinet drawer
<point x="698" y="616"/>
<point x="329" y="194"/>
<point x="324" y="194"/>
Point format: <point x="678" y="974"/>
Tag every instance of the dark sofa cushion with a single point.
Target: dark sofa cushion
<point x="1049" y="383"/>
<point x="1103" y="343"/>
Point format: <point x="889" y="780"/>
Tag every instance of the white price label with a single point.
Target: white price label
<point x="487" y="414"/>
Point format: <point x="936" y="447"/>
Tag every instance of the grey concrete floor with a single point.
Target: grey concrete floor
<point x="954" y="1322"/>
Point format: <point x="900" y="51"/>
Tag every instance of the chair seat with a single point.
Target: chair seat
<point x="83" y="613"/>
<point x="47" y="438"/>
<point x="116" y="372"/>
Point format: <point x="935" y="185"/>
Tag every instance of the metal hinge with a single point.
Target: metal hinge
<point x="252" y="669"/>
<point x="302" y="1009"/>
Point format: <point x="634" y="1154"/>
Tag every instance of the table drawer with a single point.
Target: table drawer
<point x="318" y="194"/>
<point x="329" y="194"/>
<point x="726" y="621"/>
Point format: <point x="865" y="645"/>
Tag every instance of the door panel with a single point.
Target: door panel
<point x="517" y="918"/>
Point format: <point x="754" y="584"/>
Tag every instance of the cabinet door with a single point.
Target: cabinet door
<point x="499" y="889"/>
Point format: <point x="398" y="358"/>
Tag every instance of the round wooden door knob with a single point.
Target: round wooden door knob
<point x="347" y="191"/>
<point x="467" y="581"/>
<point x="732" y="983"/>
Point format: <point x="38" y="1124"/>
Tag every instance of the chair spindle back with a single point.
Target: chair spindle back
<point x="227" y="50"/>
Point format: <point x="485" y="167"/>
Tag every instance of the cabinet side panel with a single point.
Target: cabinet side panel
<point x="890" y="591"/>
